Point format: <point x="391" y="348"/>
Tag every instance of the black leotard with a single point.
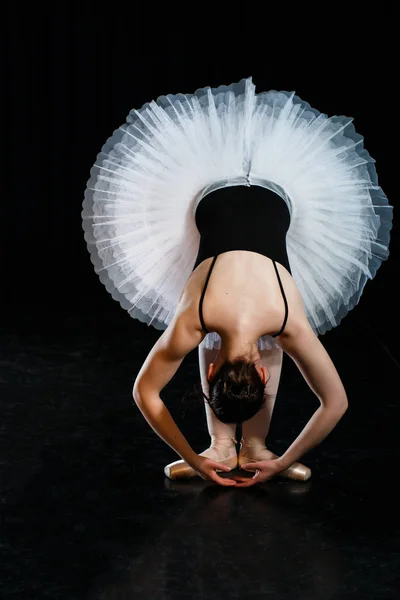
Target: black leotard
<point x="243" y="218"/>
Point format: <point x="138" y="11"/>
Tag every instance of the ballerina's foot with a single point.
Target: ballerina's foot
<point x="181" y="470"/>
<point x="297" y="471"/>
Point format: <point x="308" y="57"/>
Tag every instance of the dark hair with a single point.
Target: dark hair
<point x="236" y="392"/>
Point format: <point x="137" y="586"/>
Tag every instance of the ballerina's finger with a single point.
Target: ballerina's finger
<point x="247" y="481"/>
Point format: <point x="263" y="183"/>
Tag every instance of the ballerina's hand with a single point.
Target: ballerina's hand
<point x="207" y="469"/>
<point x="264" y="470"/>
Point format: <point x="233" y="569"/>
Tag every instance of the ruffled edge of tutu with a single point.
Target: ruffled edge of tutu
<point x="383" y="237"/>
<point x="382" y="209"/>
<point x="100" y="270"/>
<point x="112" y="290"/>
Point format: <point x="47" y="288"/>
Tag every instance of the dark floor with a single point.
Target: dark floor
<point x="86" y="512"/>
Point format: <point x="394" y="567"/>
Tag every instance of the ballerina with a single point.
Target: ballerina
<point x="271" y="208"/>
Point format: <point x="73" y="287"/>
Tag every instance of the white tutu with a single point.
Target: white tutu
<point x="138" y="211"/>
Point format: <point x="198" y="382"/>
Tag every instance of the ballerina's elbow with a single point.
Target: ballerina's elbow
<point x="137" y="393"/>
<point x="341" y="405"/>
<point x="336" y="404"/>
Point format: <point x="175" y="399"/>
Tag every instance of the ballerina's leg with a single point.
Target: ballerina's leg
<point x="255" y="430"/>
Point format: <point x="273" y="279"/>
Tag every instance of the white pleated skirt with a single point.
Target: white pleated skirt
<point x="140" y="201"/>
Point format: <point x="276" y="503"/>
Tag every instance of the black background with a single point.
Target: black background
<point x="85" y="510"/>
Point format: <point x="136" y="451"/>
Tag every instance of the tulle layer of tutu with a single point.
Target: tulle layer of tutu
<point x="138" y="211"/>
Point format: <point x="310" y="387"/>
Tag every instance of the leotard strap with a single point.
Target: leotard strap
<point x="203" y="294"/>
<point x="285" y="301"/>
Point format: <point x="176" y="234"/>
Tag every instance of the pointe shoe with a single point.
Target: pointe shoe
<point x="297" y="471"/>
<point x="181" y="470"/>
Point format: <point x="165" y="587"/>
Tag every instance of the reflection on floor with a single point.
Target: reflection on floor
<point x="86" y="511"/>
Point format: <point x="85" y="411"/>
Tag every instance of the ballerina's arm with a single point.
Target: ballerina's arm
<point x="160" y="366"/>
<point x="317" y="368"/>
